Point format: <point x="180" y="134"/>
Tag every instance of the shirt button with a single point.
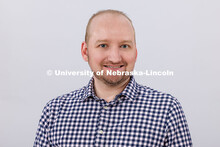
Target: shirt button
<point x="101" y="132"/>
<point x="106" y="107"/>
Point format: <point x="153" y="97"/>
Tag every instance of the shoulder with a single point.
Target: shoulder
<point x="65" y="99"/>
<point x="148" y="92"/>
<point x="159" y="102"/>
<point x="156" y="97"/>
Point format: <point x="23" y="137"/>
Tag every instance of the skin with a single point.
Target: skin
<point x="111" y="46"/>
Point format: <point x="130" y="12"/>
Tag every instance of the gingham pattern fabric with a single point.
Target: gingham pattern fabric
<point x="139" y="116"/>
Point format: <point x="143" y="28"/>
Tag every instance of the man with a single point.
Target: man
<point x="112" y="110"/>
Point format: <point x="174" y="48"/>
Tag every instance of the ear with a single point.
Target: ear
<point x="84" y="51"/>
<point x="136" y="55"/>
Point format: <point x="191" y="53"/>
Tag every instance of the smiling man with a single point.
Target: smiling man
<point x="112" y="110"/>
<point x="110" y="46"/>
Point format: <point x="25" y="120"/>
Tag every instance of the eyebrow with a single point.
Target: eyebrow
<point x="99" y="41"/>
<point x="125" y="41"/>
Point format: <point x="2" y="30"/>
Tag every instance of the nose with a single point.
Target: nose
<point x="114" y="55"/>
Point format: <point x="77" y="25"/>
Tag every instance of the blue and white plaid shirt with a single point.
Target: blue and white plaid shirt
<point x="138" y="116"/>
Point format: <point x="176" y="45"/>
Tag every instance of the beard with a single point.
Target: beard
<point x="112" y="80"/>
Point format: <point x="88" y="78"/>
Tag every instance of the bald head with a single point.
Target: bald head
<point x="104" y="14"/>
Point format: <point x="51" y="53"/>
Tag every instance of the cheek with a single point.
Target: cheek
<point x="95" y="58"/>
<point x="130" y="59"/>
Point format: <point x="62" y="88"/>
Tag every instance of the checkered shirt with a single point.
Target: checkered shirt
<point x="138" y="116"/>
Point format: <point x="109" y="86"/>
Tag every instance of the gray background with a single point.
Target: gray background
<point x="38" y="35"/>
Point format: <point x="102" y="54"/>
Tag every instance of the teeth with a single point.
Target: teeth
<point x="113" y="66"/>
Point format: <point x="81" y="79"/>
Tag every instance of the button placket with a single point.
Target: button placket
<point x="100" y="130"/>
<point x="101" y="119"/>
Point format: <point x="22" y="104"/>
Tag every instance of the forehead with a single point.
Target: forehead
<point x="111" y="25"/>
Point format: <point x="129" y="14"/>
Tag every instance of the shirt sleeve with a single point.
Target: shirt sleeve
<point x="178" y="134"/>
<point x="41" y="139"/>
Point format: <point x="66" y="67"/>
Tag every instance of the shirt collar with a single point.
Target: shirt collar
<point x="89" y="90"/>
<point x="130" y="90"/>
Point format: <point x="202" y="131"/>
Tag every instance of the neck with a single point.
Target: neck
<point x="108" y="92"/>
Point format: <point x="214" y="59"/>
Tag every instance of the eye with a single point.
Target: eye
<point x="103" y="45"/>
<point x="124" y="46"/>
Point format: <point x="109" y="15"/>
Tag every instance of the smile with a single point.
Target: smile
<point x="114" y="67"/>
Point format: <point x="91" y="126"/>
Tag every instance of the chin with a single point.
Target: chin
<point x="113" y="80"/>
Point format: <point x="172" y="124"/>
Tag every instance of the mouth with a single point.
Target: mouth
<point x="113" y="66"/>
